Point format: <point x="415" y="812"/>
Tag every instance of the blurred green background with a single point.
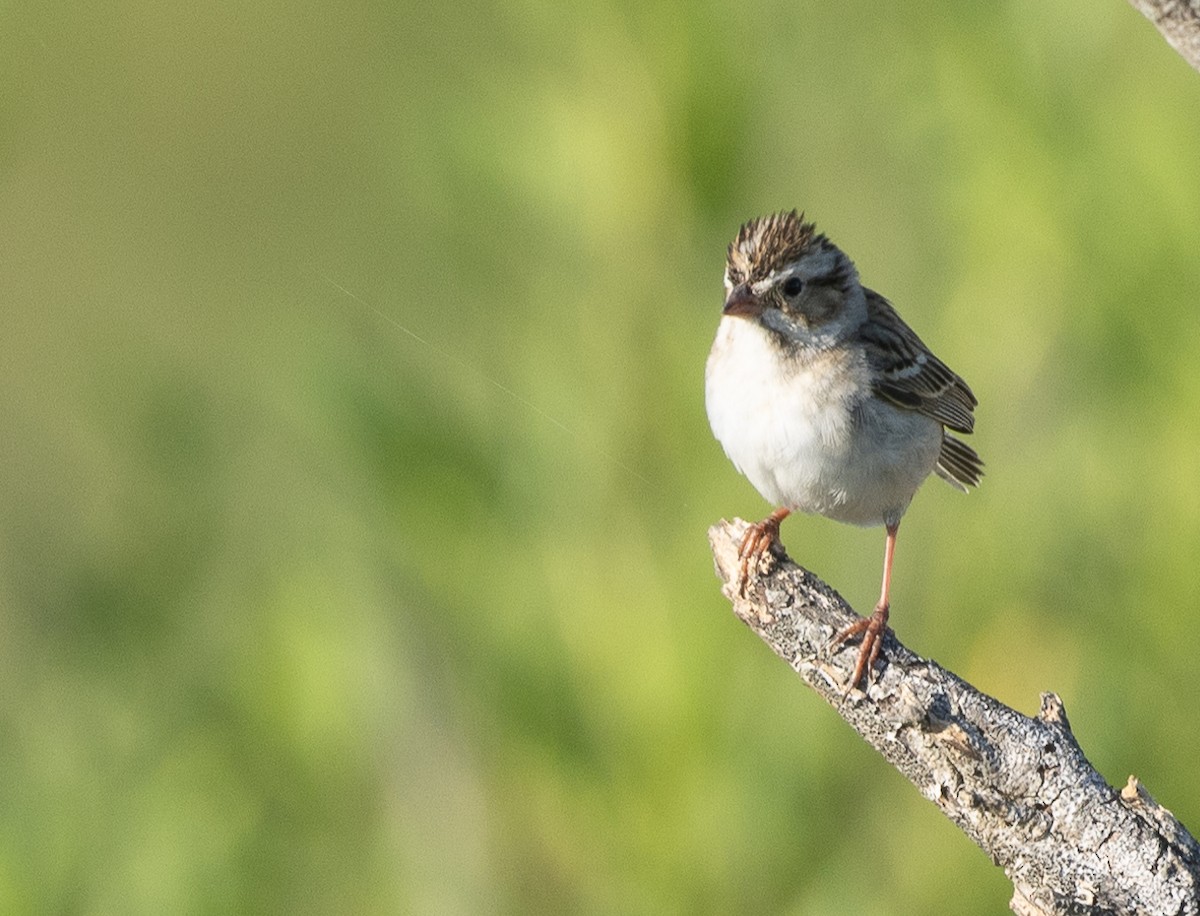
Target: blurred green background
<point x="354" y="471"/>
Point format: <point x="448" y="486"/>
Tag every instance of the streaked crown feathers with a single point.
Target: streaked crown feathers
<point x="769" y="243"/>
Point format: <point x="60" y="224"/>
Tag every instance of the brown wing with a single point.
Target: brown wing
<point x="908" y="374"/>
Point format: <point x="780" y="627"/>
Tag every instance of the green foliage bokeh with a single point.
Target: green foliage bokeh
<point x="354" y="473"/>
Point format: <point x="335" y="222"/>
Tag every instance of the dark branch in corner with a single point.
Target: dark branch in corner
<point x="1020" y="788"/>
<point x="1179" y="23"/>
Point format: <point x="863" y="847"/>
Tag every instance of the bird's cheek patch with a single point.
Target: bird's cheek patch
<point x="821" y="304"/>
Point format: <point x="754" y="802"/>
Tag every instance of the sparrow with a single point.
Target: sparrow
<point x="826" y="400"/>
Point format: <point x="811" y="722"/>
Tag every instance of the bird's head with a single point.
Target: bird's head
<point x="793" y="281"/>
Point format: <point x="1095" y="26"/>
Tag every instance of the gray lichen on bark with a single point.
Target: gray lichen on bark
<point x="1179" y="23"/>
<point x="1021" y="788"/>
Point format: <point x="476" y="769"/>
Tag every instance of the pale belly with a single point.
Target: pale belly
<point x="804" y="436"/>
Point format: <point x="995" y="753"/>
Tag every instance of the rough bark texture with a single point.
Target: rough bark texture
<point x="1021" y="788"/>
<point x="1179" y="23"/>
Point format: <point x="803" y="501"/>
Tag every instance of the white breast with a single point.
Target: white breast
<point x="806" y="433"/>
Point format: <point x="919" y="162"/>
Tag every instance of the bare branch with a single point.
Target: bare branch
<point x="1179" y="23"/>
<point x="1020" y="788"/>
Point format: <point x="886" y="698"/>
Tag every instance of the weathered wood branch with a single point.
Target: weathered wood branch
<point x="1020" y="788"/>
<point x="1179" y="23"/>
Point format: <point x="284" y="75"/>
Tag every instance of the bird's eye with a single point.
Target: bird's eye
<point x="792" y="286"/>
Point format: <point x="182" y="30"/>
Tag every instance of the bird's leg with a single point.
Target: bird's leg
<point x="872" y="628"/>
<point x="756" y="541"/>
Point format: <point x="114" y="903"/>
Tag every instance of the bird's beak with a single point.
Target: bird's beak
<point x="742" y="301"/>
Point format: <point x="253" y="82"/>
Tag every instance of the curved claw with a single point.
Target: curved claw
<point x="872" y="629"/>
<point x="757" y="540"/>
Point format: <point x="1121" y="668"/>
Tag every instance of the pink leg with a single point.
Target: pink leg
<point x="872" y="628"/>
<point x="756" y="541"/>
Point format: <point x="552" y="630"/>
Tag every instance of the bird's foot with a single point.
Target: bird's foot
<point x="756" y="542"/>
<point x="873" y="629"/>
